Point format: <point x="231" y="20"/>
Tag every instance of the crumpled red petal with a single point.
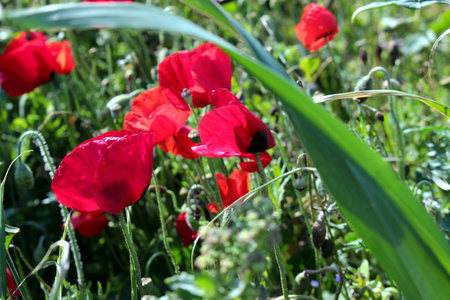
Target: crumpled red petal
<point x="11" y="284"/>
<point x="252" y="166"/>
<point x="316" y="24"/>
<point x="152" y="111"/>
<point x="180" y="144"/>
<point x="123" y="172"/>
<point x="185" y="231"/>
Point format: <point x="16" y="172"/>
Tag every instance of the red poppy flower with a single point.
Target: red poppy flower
<point x="26" y="64"/>
<point x="231" y="130"/>
<point x="232" y="188"/>
<point x="89" y="225"/>
<point x="185" y="231"/>
<point x="11" y="284"/>
<point x="201" y="70"/>
<point x="62" y="53"/>
<point x="152" y="111"/>
<point x="180" y="144"/>
<point x="316" y="25"/>
<point x="29" y="61"/>
<point x="106" y="173"/>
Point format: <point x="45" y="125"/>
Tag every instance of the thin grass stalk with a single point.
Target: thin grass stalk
<point x="163" y="227"/>
<point x="276" y="248"/>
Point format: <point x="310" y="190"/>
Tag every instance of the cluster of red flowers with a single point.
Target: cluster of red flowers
<point x="30" y="61"/>
<point x="112" y="171"/>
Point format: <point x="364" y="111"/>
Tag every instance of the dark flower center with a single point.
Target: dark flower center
<point x="259" y="143"/>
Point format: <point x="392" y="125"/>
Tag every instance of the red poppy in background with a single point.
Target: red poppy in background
<point x="106" y="173"/>
<point x="152" y="111"/>
<point x="62" y="53"/>
<point x="11" y="284"/>
<point x="185" y="231"/>
<point x="232" y="188"/>
<point x="25" y="64"/>
<point x="89" y="225"/>
<point x="231" y="130"/>
<point x="180" y="144"/>
<point x="29" y="61"/>
<point x="316" y="25"/>
<point x="201" y="70"/>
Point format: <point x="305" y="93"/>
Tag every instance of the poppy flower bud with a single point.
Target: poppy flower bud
<point x="186" y="93"/>
<point x="363" y="56"/>
<point x="378" y="51"/>
<point x="162" y="189"/>
<point x="394" y="53"/>
<point x="379" y="116"/>
<point x="185" y="230"/>
<point x="24" y="176"/>
<point x="115" y="111"/>
<point x="327" y="248"/>
<point x="318" y="233"/>
<point x="365" y="83"/>
<point x="300" y="283"/>
<point x="300" y="184"/>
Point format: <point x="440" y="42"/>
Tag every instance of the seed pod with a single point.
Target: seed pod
<point x="318" y="233"/>
<point x="300" y="184"/>
<point x="327" y="248"/>
<point x="24" y="176"/>
<point x="363" y="56"/>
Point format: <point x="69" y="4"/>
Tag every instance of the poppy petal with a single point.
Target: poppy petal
<point x="89" y="225"/>
<point x="252" y="166"/>
<point x="62" y="52"/>
<point x="180" y="144"/>
<point x="73" y="180"/>
<point x="152" y="111"/>
<point x="211" y="71"/>
<point x="316" y="25"/>
<point x="236" y="186"/>
<point x="185" y="231"/>
<point x="124" y="172"/>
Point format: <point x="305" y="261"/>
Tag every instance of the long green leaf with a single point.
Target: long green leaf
<point x="442" y="108"/>
<point x="393" y="224"/>
<point x="418" y="4"/>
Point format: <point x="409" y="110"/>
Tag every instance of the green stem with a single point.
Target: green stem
<point x="329" y="269"/>
<point x="399" y="134"/>
<point x="45" y="154"/>
<point x="163" y="228"/>
<point x="135" y="268"/>
<point x="276" y="248"/>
